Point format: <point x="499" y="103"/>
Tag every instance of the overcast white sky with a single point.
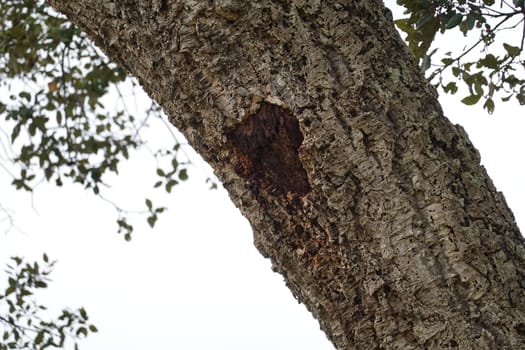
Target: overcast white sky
<point x="196" y="281"/>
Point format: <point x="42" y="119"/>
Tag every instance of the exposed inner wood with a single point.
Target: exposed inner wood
<point x="268" y="144"/>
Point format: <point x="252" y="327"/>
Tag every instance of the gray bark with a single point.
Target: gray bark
<point x="369" y="202"/>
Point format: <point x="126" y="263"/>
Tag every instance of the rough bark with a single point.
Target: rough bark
<point x="369" y="202"/>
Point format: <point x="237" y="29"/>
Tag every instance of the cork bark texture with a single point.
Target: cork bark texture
<point x="368" y="201"/>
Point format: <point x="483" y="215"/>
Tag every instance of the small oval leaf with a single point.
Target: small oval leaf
<point x="471" y="100"/>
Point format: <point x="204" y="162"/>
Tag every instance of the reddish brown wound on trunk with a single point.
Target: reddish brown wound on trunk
<point x="267" y="143"/>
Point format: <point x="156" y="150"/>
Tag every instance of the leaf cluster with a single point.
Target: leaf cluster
<point x="500" y="66"/>
<point x="56" y="79"/>
<point x="22" y="320"/>
<point x="64" y="112"/>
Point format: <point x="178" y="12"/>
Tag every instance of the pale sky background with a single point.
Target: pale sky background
<point x="196" y="281"/>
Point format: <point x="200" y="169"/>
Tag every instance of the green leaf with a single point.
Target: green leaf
<point x="83" y="313"/>
<point x="489" y="105"/>
<point x="39" y="337"/>
<point x="15" y="132"/>
<point x="170" y="184"/>
<point x="425" y="64"/>
<point x="40" y="284"/>
<point x="149" y="204"/>
<point x="521" y="98"/>
<point x="513" y="51"/>
<point x="456" y="71"/>
<point x="11" y="281"/>
<point x="447" y="61"/>
<point x="468" y="23"/>
<point x="489" y="61"/>
<point x="471" y="100"/>
<point x="454" y="21"/>
<point x="451" y="88"/>
<point x="152" y="220"/>
<point x="25" y="95"/>
<point x="82" y="331"/>
<point x="93" y="329"/>
<point x="424" y="20"/>
<point x="183" y="175"/>
<point x="404" y="25"/>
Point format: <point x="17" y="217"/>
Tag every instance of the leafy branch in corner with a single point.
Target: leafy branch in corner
<point x="498" y="70"/>
<point x="23" y="324"/>
<point x="62" y="121"/>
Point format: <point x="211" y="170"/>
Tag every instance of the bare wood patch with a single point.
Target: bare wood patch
<point x="267" y="143"/>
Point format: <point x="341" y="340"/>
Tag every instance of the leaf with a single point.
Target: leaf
<point x="424" y="20"/>
<point x="489" y="105"/>
<point x="425" y="64"/>
<point x="489" y="61"/>
<point x="468" y="23"/>
<point x="152" y="220"/>
<point x="404" y="25"/>
<point x="521" y="98"/>
<point x="25" y="95"/>
<point x="15" y="132"/>
<point x="183" y="175"/>
<point x="83" y="313"/>
<point x="170" y="184"/>
<point x="471" y="100"/>
<point x="82" y="331"/>
<point x="149" y="204"/>
<point x="39" y="337"/>
<point x="451" y="87"/>
<point x="40" y="284"/>
<point x="513" y="51"/>
<point x="93" y="329"/>
<point x="447" y="61"/>
<point x="454" y="21"/>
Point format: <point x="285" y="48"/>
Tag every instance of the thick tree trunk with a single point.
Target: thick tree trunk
<point x="369" y="202"/>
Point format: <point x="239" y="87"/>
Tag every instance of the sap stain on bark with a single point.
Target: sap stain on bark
<point x="267" y="144"/>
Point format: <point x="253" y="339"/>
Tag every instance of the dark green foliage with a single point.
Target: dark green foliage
<point x="23" y="322"/>
<point x="498" y="70"/>
<point x="56" y="80"/>
<point x="63" y="109"/>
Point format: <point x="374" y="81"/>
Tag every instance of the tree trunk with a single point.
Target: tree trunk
<point x="315" y="117"/>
